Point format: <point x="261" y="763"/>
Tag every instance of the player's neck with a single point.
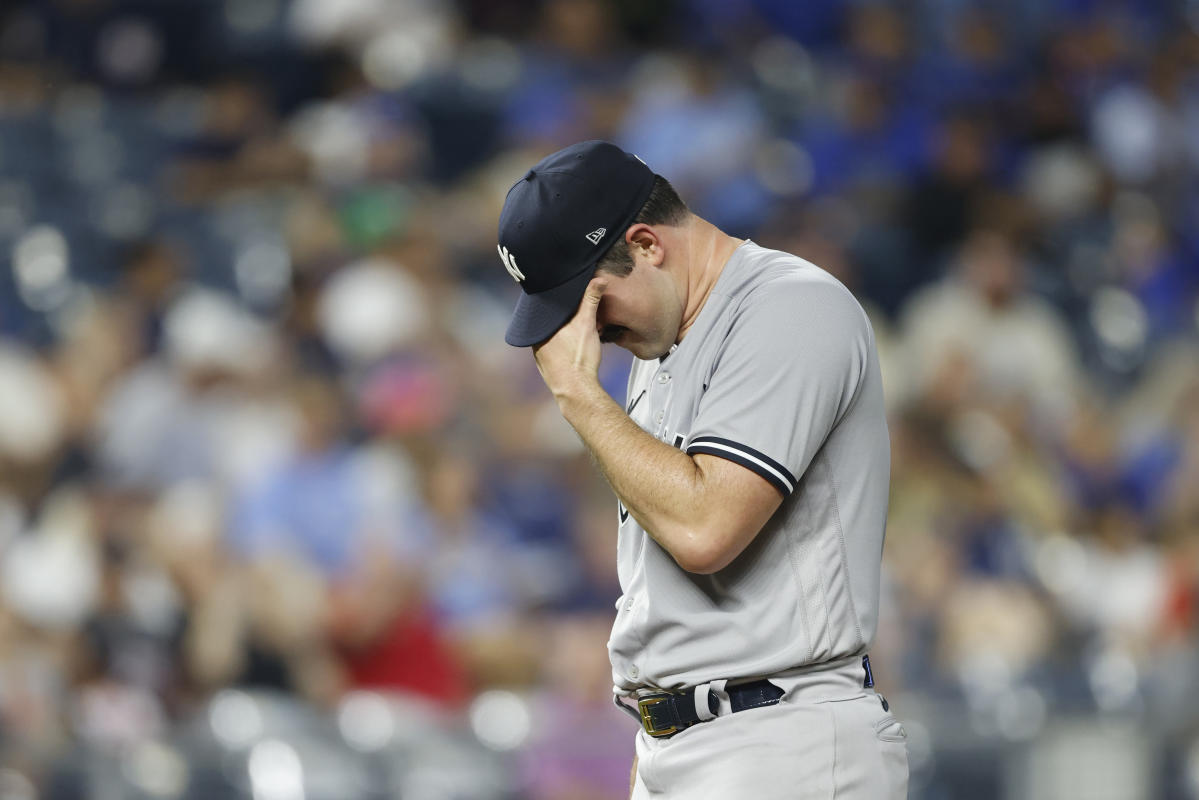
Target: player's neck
<point x="708" y="250"/>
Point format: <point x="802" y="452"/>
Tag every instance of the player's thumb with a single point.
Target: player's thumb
<point x="594" y="293"/>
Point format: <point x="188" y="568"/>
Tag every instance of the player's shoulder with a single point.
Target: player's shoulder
<point x="774" y="280"/>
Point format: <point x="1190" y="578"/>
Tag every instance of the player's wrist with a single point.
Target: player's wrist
<point x="580" y="396"/>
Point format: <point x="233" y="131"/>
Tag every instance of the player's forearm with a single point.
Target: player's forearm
<point x="661" y="487"/>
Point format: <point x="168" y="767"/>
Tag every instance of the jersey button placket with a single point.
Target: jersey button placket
<point x="659" y="396"/>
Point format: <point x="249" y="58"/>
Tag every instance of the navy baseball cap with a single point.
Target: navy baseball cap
<point x="558" y="221"/>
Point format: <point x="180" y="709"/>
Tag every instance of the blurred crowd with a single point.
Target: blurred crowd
<point x="282" y="515"/>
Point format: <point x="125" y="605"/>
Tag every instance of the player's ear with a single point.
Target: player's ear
<point x="645" y="244"/>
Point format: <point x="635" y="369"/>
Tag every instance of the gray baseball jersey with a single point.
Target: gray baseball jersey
<point x="779" y="373"/>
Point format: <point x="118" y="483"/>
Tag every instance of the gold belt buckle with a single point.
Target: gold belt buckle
<point x="643" y="707"/>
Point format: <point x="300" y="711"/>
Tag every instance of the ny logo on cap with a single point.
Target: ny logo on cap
<point x="510" y="263"/>
<point x="597" y="234"/>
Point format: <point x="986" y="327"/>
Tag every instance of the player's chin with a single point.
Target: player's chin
<point x="639" y="346"/>
<point x="646" y="351"/>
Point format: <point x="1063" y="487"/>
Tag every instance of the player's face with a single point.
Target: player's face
<point x="641" y="311"/>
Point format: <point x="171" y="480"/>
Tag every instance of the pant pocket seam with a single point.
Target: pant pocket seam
<point x="886" y="723"/>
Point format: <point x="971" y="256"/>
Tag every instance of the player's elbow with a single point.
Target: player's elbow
<point x="703" y="553"/>
<point x="701" y="563"/>
<point x="707" y="566"/>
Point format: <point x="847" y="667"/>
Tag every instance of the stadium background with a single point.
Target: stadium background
<point x="282" y="517"/>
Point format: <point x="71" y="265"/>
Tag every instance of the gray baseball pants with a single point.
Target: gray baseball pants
<point x="826" y="738"/>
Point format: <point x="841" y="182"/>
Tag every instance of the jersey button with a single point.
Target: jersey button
<point x="661" y="416"/>
<point x="663" y="377"/>
<point x="633" y="671"/>
<point x="628" y="604"/>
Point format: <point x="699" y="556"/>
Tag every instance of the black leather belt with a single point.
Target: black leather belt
<point x="665" y="714"/>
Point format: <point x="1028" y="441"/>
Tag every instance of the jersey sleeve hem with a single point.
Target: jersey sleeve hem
<point x="753" y="460"/>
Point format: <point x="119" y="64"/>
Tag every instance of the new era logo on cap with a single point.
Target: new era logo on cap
<point x="597" y="234"/>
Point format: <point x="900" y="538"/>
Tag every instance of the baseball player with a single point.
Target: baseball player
<point x="751" y="462"/>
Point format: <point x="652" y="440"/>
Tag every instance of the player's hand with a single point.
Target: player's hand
<point x="569" y="360"/>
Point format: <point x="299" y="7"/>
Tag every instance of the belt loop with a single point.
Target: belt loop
<point x="868" y="681"/>
<point x="626" y="708"/>
<point x="704" y="694"/>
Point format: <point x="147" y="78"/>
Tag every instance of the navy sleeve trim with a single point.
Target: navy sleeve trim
<point x="762" y="464"/>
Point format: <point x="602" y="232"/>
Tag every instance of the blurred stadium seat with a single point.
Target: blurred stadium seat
<point x="282" y="517"/>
